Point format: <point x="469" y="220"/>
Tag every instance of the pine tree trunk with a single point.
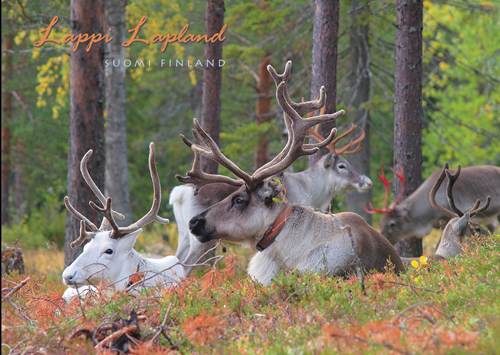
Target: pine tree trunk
<point x="324" y="62"/>
<point x="212" y="79"/>
<point x="360" y="87"/>
<point x="8" y="44"/>
<point x="6" y="137"/>
<point x="19" y="182"/>
<point x="86" y="125"/>
<point x="262" y="111"/>
<point x="116" y="175"/>
<point x="408" y="106"/>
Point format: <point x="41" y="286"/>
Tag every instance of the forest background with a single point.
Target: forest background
<point x="461" y="95"/>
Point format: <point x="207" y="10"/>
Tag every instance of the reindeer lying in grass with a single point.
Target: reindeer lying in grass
<point x="315" y="186"/>
<point x="416" y="216"/>
<point x="460" y="227"/>
<point x="110" y="255"/>
<point x="288" y="237"/>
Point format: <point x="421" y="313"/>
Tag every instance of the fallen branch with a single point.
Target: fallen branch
<point x="15" y="289"/>
<point x="116" y="335"/>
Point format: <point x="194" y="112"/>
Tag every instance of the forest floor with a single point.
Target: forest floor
<point x="437" y="308"/>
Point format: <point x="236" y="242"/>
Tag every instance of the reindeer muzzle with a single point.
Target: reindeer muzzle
<point x="198" y="227"/>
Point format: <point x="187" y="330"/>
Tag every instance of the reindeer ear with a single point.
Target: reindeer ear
<point x="329" y="160"/>
<point x="461" y="224"/>
<point x="127" y="242"/>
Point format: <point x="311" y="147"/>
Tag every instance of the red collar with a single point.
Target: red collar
<point x="277" y="226"/>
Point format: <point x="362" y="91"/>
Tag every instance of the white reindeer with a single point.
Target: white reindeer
<point x="288" y="237"/>
<point x="110" y="255"/>
<point x="315" y="186"/>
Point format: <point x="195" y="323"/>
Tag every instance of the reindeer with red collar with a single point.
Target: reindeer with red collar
<point x="316" y="186"/>
<point x="288" y="237"/>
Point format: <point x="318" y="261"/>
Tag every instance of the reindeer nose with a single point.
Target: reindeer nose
<point x="69" y="279"/>
<point x="197" y="224"/>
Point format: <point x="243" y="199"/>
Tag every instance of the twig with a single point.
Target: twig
<point x="116" y="335"/>
<point x="47" y="300"/>
<point x="400" y="314"/>
<point x="16" y="288"/>
<point x="414" y="287"/>
<point x="37" y="50"/>
<point x="162" y="326"/>
<point x="293" y="293"/>
<point x="23" y="105"/>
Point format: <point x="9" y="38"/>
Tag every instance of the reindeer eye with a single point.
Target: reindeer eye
<point x="478" y="230"/>
<point x="392" y="224"/>
<point x="342" y="166"/>
<point x="239" y="202"/>
<point x="109" y="251"/>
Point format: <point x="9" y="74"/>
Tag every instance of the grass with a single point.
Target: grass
<point x="440" y="308"/>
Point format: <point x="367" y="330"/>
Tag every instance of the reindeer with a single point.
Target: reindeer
<point x="459" y="227"/>
<point x="288" y="237"/>
<point x="315" y="186"/>
<point x="110" y="255"/>
<point x="416" y="216"/>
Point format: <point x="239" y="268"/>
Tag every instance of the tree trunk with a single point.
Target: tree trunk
<point x="324" y="62"/>
<point x="360" y="87"/>
<point x="408" y="106"/>
<point x="86" y="121"/>
<point x="262" y="111"/>
<point x="116" y="176"/>
<point x="8" y="44"/>
<point x="212" y="79"/>
<point x="19" y="182"/>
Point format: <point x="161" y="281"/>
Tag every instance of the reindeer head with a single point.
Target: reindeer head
<point x="459" y="227"/>
<point x="395" y="214"/>
<point x="105" y="256"/>
<point x="246" y="215"/>
<point x="343" y="174"/>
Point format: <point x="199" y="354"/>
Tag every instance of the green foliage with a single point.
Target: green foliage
<point x="460" y="88"/>
<point x="462" y="96"/>
<point x="44" y="226"/>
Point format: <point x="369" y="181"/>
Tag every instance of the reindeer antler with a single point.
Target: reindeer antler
<point x="108" y="213"/>
<point x="452" y="178"/>
<point x="84" y="221"/>
<point x="295" y="147"/>
<point x="386" y="183"/>
<point x="343" y="150"/>
<point x="435" y="188"/>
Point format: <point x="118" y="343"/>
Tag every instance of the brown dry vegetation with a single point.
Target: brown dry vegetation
<point x="442" y="308"/>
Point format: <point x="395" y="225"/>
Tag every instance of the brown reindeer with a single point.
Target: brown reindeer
<point x="416" y="216"/>
<point x="288" y="237"/>
<point x="316" y="186"/>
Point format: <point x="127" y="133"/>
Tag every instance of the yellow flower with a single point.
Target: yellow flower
<point x="414" y="263"/>
<point x="423" y="260"/>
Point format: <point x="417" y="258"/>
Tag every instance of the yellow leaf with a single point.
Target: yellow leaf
<point x="192" y="77"/>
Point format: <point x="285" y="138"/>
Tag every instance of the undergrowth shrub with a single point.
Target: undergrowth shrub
<point x="41" y="226"/>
